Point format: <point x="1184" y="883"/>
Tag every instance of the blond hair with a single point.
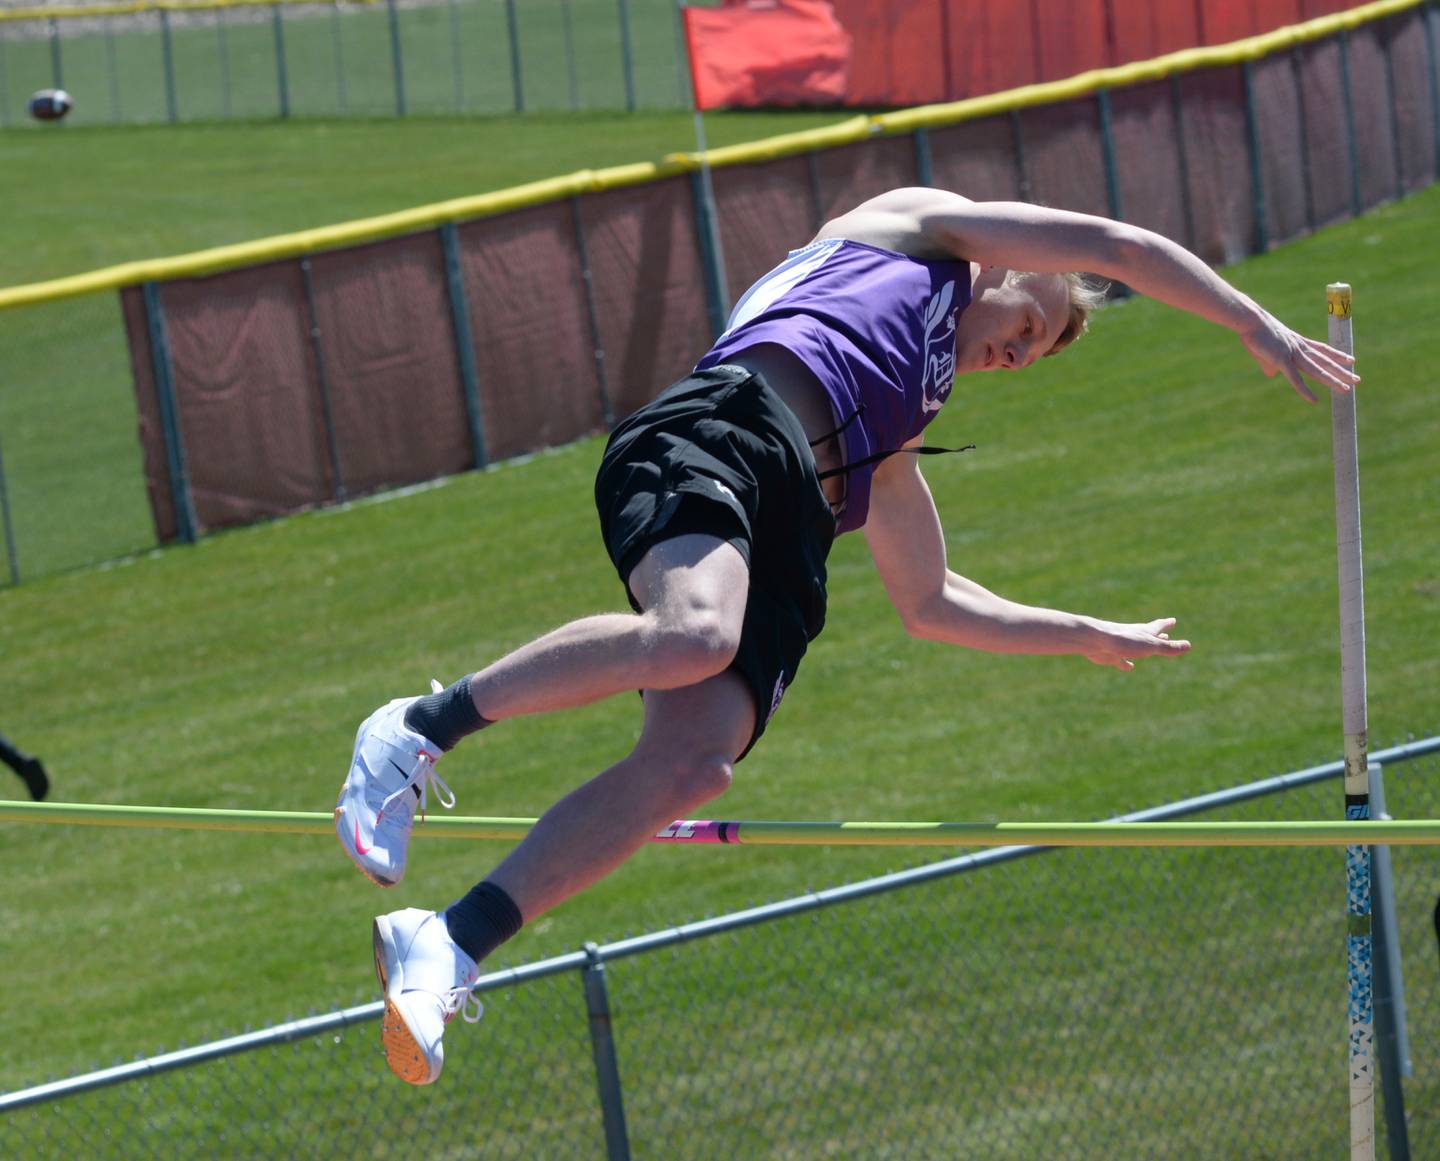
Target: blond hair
<point x="1086" y="294"/>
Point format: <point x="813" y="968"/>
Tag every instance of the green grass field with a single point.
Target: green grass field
<point x="1150" y="471"/>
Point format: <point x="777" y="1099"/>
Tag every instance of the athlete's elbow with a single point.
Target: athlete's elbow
<point x="922" y="620"/>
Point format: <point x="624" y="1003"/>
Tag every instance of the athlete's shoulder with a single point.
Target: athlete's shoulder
<point x="900" y="220"/>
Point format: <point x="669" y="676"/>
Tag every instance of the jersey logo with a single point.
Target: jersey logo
<point x="939" y="348"/>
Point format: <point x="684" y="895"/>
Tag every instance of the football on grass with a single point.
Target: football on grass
<point x="50" y="104"/>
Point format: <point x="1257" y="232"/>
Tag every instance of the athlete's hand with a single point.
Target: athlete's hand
<point x="1281" y="351"/>
<point x="1119" y="645"/>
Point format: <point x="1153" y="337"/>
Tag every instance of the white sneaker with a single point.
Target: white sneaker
<point x="391" y="770"/>
<point x="426" y="978"/>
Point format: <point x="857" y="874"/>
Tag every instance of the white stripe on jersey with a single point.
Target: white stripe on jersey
<point x="789" y="274"/>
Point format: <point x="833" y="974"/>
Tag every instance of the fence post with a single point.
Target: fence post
<point x="817" y="200"/>
<point x="332" y="440"/>
<point x="4" y="80"/>
<point x="342" y="94"/>
<point x="397" y="59"/>
<point x="517" y="78"/>
<point x="457" y="57"/>
<point x="1177" y="115"/>
<point x="11" y="554"/>
<point x="1392" y="99"/>
<point x="682" y="56"/>
<point x="607" y="409"/>
<point x="56" y="72"/>
<point x="627" y="61"/>
<point x="1390" y="1031"/>
<point x="226" y="105"/>
<point x="1107" y="149"/>
<point x="924" y="169"/>
<point x="1017" y="140"/>
<point x="1430" y="14"/>
<point x="111" y="70"/>
<point x="1302" y="121"/>
<point x="567" y="19"/>
<point x="711" y="256"/>
<point x="464" y="342"/>
<point x="1261" y="238"/>
<point x="167" y="61"/>
<point x="1352" y="147"/>
<point x="185" y="523"/>
<point x="602" y="1047"/>
<point x="282" y="74"/>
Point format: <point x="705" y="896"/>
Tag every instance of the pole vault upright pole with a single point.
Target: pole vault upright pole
<point x="1358" y="936"/>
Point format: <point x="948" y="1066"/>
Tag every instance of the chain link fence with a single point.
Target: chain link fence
<point x="1186" y="1003"/>
<point x="287" y="58"/>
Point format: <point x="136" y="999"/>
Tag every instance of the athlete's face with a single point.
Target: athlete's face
<point x="1012" y="320"/>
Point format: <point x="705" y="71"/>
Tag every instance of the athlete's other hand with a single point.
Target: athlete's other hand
<point x="1119" y="645"/>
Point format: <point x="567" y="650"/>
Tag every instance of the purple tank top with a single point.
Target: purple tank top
<point x="875" y="327"/>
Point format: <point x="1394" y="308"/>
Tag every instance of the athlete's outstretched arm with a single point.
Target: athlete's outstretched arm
<point x="1019" y="236"/>
<point x="934" y="603"/>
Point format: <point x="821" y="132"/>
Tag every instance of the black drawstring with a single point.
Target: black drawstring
<point x="878" y="456"/>
<point x="854" y="415"/>
<point x="885" y="455"/>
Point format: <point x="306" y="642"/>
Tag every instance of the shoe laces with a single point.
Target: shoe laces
<point x="421" y="779"/>
<point x="463" y="1000"/>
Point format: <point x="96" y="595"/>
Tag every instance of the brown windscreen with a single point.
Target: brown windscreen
<point x="1218" y="163"/>
<point x="649" y="287"/>
<point x="246" y="394"/>
<point x="1275" y="91"/>
<point x="1409" y="59"/>
<point x="1064" y="161"/>
<point x="528" y="319"/>
<point x="977" y="159"/>
<point x="1370" y="94"/>
<point x="1149" y="168"/>
<point x="765" y="211"/>
<point x="287" y="398"/>
<point x="392" y="380"/>
<point x="852" y="173"/>
<point x="1326" y="133"/>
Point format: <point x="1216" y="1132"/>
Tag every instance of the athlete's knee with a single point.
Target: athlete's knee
<point x="693" y="779"/>
<point x="687" y="649"/>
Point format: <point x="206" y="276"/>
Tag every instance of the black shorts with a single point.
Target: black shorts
<point x="719" y="453"/>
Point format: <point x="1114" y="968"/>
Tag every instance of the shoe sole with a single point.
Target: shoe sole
<point x="402" y="1051"/>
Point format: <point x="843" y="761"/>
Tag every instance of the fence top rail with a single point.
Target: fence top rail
<point x="846" y="132"/>
<point x="139" y="7"/>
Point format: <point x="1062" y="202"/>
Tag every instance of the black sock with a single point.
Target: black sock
<point x="447" y="716"/>
<point x="484" y="919"/>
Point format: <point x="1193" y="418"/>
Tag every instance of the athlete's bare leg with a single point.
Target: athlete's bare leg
<point x="690" y="740"/>
<point x="692" y="590"/>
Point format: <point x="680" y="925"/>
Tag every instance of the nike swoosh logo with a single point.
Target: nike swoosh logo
<point x="359" y="846"/>
<point x="404" y="773"/>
